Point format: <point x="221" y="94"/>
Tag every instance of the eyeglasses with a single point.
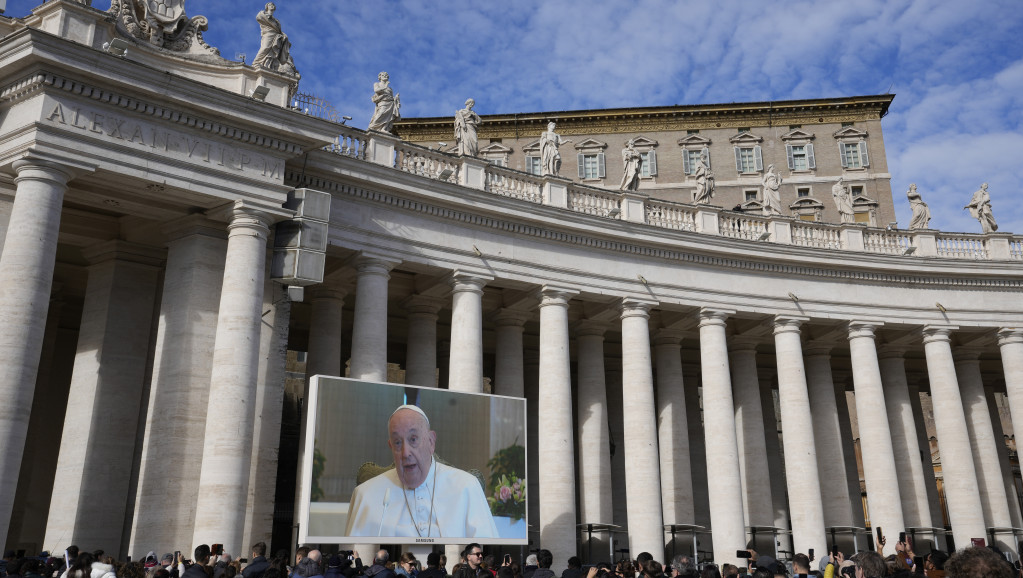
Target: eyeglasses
<point x="475" y="553"/>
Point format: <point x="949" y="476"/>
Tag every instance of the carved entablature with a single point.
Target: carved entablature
<point x="850" y="133"/>
<point x="694" y="141"/>
<point x="797" y="136"/>
<point x="746" y="138"/>
<point x="162" y="24"/>
<point x="591" y="144"/>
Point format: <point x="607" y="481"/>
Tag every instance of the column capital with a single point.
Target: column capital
<point x="506" y="317"/>
<point x="124" y="251"/>
<point x="636" y="307"/>
<point x="469" y="281"/>
<point x="589" y="327"/>
<point x="324" y="293"/>
<point x="554" y="295"/>
<point x="788" y="323"/>
<point x="374" y="264"/>
<point x="671" y="337"/>
<point x="859" y="328"/>
<point x="891" y="352"/>
<point x="967" y="354"/>
<point x="935" y="333"/>
<point x="714" y="316"/>
<point x="1010" y="335"/>
<point x="423" y="305"/>
<point x="818" y="348"/>
<point x="39" y="170"/>
<point x="193" y="225"/>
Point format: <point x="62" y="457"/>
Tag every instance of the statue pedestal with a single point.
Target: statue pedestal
<point x="851" y="236"/>
<point x="381" y="148"/>
<point x="634" y="207"/>
<point x="555" y="192"/>
<point x="707" y="221"/>
<point x="473" y="173"/>
<point x="926" y="243"/>
<point x="997" y="245"/>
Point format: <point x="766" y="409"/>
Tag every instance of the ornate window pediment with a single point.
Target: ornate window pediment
<point x="864" y="201"/>
<point x="850" y="133"/>
<point x="752" y="206"/>
<point x="644" y="143"/>
<point x="695" y="141"/>
<point x="591" y="144"/>
<point x="806" y="203"/>
<point x="797" y="135"/>
<point x="531" y="148"/>
<point x="495" y="149"/>
<point x="746" y="139"/>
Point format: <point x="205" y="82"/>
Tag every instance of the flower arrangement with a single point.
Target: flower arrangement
<point x="507" y="468"/>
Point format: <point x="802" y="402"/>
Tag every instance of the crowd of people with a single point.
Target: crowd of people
<point x="972" y="562"/>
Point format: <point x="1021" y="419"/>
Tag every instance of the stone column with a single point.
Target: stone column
<point x="168" y="479"/>
<point x="749" y="430"/>
<point x="852" y="466"/>
<point x="508" y="367"/>
<point x="90" y="489"/>
<point x="983" y="444"/>
<point x="227" y="446"/>
<point x="965" y="510"/>
<point x="697" y="445"/>
<point x="673" y="430"/>
<point x="324" y="356"/>
<point x="642" y="472"/>
<point x="805" y="505"/>
<point x="369" y="326"/>
<point x="557" y="447"/>
<point x="421" y="348"/>
<point x="725" y="486"/>
<point x="1010" y="345"/>
<point x="930" y="482"/>
<point x="531" y="383"/>
<point x="827" y="435"/>
<point x="466" y="369"/>
<point x="775" y="463"/>
<point x="905" y="445"/>
<point x="883" y="495"/>
<point x="595" y="502"/>
<point x="26" y="273"/>
<point x="1003" y="458"/>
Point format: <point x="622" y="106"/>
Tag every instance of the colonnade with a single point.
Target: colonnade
<point x="699" y="435"/>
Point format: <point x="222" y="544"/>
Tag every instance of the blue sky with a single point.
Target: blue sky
<point x="956" y="68"/>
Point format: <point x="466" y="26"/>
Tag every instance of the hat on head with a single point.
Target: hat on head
<point x="167" y="558"/>
<point x="415" y="409"/>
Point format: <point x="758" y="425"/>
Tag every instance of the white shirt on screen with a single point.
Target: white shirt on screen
<point x="459" y="508"/>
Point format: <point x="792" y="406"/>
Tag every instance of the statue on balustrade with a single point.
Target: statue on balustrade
<point x="633" y="162"/>
<point x="980" y="209"/>
<point x="772" y="198"/>
<point x="704" y="181"/>
<point x="388" y="104"/>
<point x="466" y="122"/>
<point x="274" y="46"/>
<point x="843" y="201"/>
<point x="921" y="214"/>
<point x="550" y="156"/>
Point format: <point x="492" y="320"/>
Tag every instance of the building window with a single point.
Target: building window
<point x="693" y="131"/>
<point x="751" y="195"/>
<point x="691" y="157"/>
<point x="499" y="162"/>
<point x="807" y="217"/>
<point x="533" y="165"/>
<point x="857" y="191"/>
<point x="748" y="159"/>
<point x="795" y="126"/>
<point x="845" y="124"/>
<point x="591" y="166"/>
<point x="803" y="192"/>
<point x="801" y="157"/>
<point x="854" y="154"/>
<point x="743" y="129"/>
<point x="649" y="166"/>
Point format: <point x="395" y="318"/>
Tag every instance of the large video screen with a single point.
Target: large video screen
<point x="389" y="464"/>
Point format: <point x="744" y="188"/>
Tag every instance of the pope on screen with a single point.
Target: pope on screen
<point x="419" y="497"/>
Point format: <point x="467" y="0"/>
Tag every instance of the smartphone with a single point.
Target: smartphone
<point x="243" y="560"/>
<point x="918" y="561"/>
<point x="507" y="558"/>
<point x="902" y="537"/>
<point x="217" y="549"/>
<point x="809" y="554"/>
<point x="879" y="534"/>
<point x="743" y="554"/>
<point x="834" y="551"/>
<point x="177" y="554"/>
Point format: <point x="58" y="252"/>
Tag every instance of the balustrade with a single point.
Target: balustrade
<point x="885" y="241"/>
<point x="961" y="246"/>
<point x="669" y="215"/>
<point x="593" y="201"/>
<point x="739" y="226"/>
<point x="820" y="235"/>
<point x="514" y="184"/>
<point x="425" y="162"/>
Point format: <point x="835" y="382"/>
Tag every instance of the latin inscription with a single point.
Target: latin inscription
<point x="164" y="141"/>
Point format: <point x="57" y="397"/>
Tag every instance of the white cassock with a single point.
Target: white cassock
<point x="380" y="506"/>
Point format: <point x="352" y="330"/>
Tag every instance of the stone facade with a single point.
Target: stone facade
<point x="684" y="367"/>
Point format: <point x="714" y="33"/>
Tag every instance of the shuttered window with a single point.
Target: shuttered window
<point x="591" y="166"/>
<point x="649" y="167"/>
<point x="748" y="159"/>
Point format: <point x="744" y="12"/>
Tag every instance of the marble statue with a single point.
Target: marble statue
<point x="550" y="156"/>
<point x="921" y="214"/>
<point x="388" y="104"/>
<point x="980" y="209"/>
<point x="633" y="163"/>
<point x="466" y="122"/>
<point x="704" y="181"/>
<point x="274" y="46"/>
<point x="844" y="202"/>
<point x="163" y="24"/>
<point x="772" y="198"/>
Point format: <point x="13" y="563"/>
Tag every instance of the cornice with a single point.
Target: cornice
<point x="611" y="245"/>
<point x="670" y="118"/>
<point x="28" y="86"/>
